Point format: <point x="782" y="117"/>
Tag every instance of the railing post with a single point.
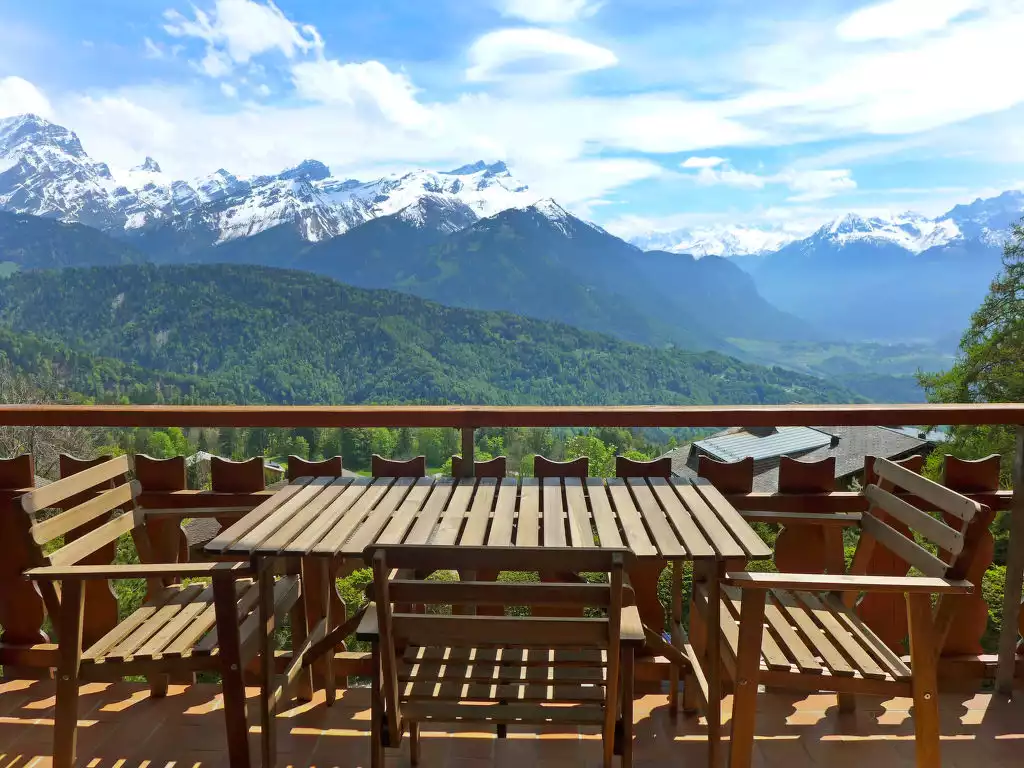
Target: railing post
<point x="468" y="451"/>
<point x="1014" y="575"/>
<point x="21" y="605"/>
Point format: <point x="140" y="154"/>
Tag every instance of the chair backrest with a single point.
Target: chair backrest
<point x="381" y="467"/>
<point x="496" y="467"/>
<point x="728" y="476"/>
<point x="228" y="476"/>
<point x="625" y="467"/>
<point x="547" y="468"/>
<point x="919" y="498"/>
<point x="463" y="631"/>
<point x="299" y="467"/>
<point x="99" y="500"/>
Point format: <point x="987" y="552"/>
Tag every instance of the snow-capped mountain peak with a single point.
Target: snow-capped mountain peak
<point x="150" y="165"/>
<point x="44" y="170"/>
<point x="726" y="240"/>
<point x="911" y="231"/>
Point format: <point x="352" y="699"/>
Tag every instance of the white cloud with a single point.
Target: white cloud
<point x="153" y="51"/>
<point x="263" y="90"/>
<point x="550" y="11"/>
<point x="18" y="96"/>
<point x="229" y="90"/>
<point x="702" y="162"/>
<point x="510" y="53"/>
<point x="237" y="30"/>
<point x="215" y="64"/>
<point x="366" y="83"/>
<point x="816" y="185"/>
<point x="581" y="183"/>
<point x="809" y="88"/>
<point x="807" y="185"/>
<point x="902" y="18"/>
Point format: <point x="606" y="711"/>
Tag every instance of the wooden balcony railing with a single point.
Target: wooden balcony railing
<point x="804" y="506"/>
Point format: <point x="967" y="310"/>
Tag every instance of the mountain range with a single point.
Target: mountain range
<point x="473" y="237"/>
<point x="477" y="237"/>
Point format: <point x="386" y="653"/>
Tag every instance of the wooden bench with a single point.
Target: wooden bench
<point x="498" y="670"/>
<point x="802" y="631"/>
<point x="178" y="629"/>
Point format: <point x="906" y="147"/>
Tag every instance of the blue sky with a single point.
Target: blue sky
<point x="640" y="114"/>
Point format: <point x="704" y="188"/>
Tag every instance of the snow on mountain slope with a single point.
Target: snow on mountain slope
<point x="985" y="221"/>
<point x="44" y="171"/>
<point x="729" y="240"/>
<point x="909" y="230"/>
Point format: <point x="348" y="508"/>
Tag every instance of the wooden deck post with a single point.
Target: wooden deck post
<point x="21" y="604"/>
<point x="1014" y="575"/>
<point x="468" y="451"/>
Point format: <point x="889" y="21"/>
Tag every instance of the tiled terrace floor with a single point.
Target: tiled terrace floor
<point x="120" y="727"/>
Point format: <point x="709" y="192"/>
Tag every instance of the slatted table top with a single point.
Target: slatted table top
<point x="654" y="517"/>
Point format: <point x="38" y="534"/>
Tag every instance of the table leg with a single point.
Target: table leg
<point x="268" y="625"/>
<point x="233" y="685"/>
<point x="327" y="587"/>
<point x="644" y="576"/>
<point x="301" y="627"/>
<point x="675" y="631"/>
<point x="713" y="670"/>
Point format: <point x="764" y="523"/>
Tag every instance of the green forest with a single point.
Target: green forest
<point x="243" y="334"/>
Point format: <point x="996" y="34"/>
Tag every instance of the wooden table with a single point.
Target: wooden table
<point x="661" y="521"/>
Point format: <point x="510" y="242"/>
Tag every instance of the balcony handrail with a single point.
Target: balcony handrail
<point x="467" y="416"/>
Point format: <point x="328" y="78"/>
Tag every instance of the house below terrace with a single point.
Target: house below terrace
<point x="849" y="446"/>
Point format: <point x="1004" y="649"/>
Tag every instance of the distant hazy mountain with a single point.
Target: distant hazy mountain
<point x="726" y="240"/>
<point x="542" y="262"/>
<point x="896" y="278"/>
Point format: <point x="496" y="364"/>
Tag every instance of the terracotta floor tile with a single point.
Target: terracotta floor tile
<point x="121" y="726"/>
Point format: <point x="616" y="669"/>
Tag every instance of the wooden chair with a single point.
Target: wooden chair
<point x="176" y="630"/>
<point x="299" y="467"/>
<point x="496" y="467"/>
<point x="227" y="476"/>
<point x="468" y="669"/>
<point x="547" y="468"/>
<point x="632" y="468"/>
<point x="801" y="631"/>
<point x="381" y="467"/>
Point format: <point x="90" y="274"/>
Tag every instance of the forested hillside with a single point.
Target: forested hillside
<point x="264" y="335"/>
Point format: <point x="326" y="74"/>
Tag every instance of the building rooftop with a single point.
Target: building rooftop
<point x="849" y="446"/>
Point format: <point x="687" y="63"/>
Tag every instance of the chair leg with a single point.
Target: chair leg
<point x="847" y="703"/>
<point x="748" y="660"/>
<point x="690" y="698"/>
<point x="65" y="731"/>
<point x="376" y="713"/>
<point x="627" y="707"/>
<point x="923" y="663"/>
<point x="268" y="707"/>
<point x="158" y="685"/>
<point x="713" y="659"/>
<point x="232" y="682"/>
<point x="414" y="743"/>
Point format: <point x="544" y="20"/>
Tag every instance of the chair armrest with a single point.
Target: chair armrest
<point x="368" y="629"/>
<point x="847" y="520"/>
<point x="631" y="629"/>
<point x="839" y="583"/>
<point x="138" y="571"/>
